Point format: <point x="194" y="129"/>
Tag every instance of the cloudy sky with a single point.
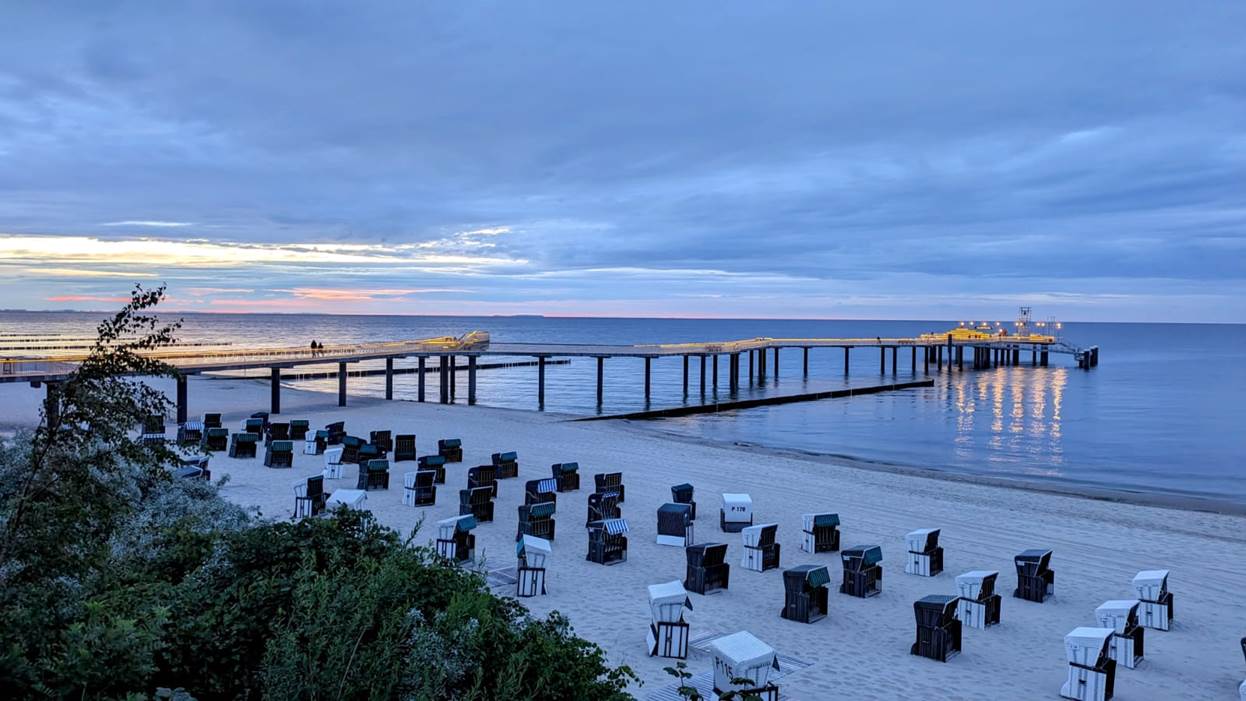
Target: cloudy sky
<point x="878" y="160"/>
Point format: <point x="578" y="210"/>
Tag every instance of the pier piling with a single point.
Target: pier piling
<point x="648" y="369"/>
<point x="805" y="364"/>
<point x="471" y="380"/>
<point x="341" y="384"/>
<point x="686" y="376"/>
<point x="182" y="409"/>
<point x="715" y="373"/>
<point x="389" y="378"/>
<point x="274" y="391"/>
<point x="540" y="382"/>
<point x="421" y="379"/>
<point x="601" y="379"/>
<point x="846" y="349"/>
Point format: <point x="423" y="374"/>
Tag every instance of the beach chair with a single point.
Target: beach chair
<point x="537" y="520"/>
<point x="373" y="474"/>
<point x="1121" y="615"/>
<point x="455" y="539"/>
<point x="451" y="449"/>
<point x="309" y="497"/>
<point x="263" y="417"/>
<point x="189" y="434"/>
<point x="419" y="488"/>
<point x="333" y="463"/>
<point x="805" y="596"/>
<point x="542" y="491"/>
<point x="1092" y="671"/>
<point x="211" y="420"/>
<point x="742" y="665"/>
<point x="532" y="554"/>
<point x="315" y="443"/>
<point x="863" y="571"/>
<point x="507" y="464"/>
<point x="277" y="431"/>
<point x="243" y="445"/>
<point x="567" y="474"/>
<point x="152" y="430"/>
<point x="668" y="631"/>
<point x="404" y="447"/>
<point x="337" y="432"/>
<point x="707" y="568"/>
<point x="979" y="605"/>
<point x="682" y="494"/>
<point x="383" y="440"/>
<point x="478" y="502"/>
<point x="607" y="541"/>
<point x="215" y="438"/>
<point x="1035" y="579"/>
<point x="819" y="532"/>
<point x="761" y="552"/>
<point x="299" y="428"/>
<point x="193" y="468"/>
<point x="369" y="452"/>
<point x="436" y="463"/>
<point x="1155" y="610"/>
<point x="938" y="630"/>
<point x="254" y="425"/>
<point x="351" y="446"/>
<point x="925" y="557"/>
<point x="603" y="506"/>
<point x="610" y="482"/>
<point x="736" y="513"/>
<point x="483" y="476"/>
<point x="279" y="454"/>
<point x="675" y="525"/>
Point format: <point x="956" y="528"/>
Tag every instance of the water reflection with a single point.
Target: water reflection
<point x="1025" y="408"/>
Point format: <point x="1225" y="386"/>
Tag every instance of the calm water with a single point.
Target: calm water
<point x="1163" y="412"/>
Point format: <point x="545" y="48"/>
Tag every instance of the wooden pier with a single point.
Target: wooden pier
<point x="747" y="360"/>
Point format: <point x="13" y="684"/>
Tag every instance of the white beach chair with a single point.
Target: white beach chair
<point x="354" y="498"/>
<point x="1092" y="672"/>
<point x="761" y="552"/>
<point x="925" y="557"/>
<point x="533" y="553"/>
<point x="1155" y="610"/>
<point x="742" y="656"/>
<point x="333" y="463"/>
<point x="979" y="605"/>
<point x="668" y="631"/>
<point x="408" y="489"/>
<point x="1121" y="615"/>
<point x="736" y="513"/>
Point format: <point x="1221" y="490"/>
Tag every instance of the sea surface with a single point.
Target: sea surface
<point x="1162" y="413"/>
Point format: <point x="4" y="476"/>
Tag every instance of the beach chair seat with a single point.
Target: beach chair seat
<point x="279" y="454"/>
<point x="243" y="445"/>
<point x="820" y="533"/>
<point x="682" y="494"/>
<point x="805" y="597"/>
<point x="707" y="568"/>
<point x="675" y="525"/>
<point x="1035" y="579"/>
<point x="436" y="463"/>
<point x="190" y="433"/>
<point x="532" y="553"/>
<point x="299" y="428"/>
<point x="567" y="475"/>
<point x="540" y="491"/>
<point x="602" y="506"/>
<point x="925" y="557"/>
<point x="455" y="540"/>
<point x="607" y="541"/>
<point x="152" y="430"/>
<point x="863" y="570"/>
<point x="373" y="474"/>
<point x="483" y="476"/>
<point x="333" y="463"/>
<point x="315" y="443"/>
<point x="309" y="497"/>
<point x="742" y="665"/>
<point x="477" y="501"/>
<point x="506" y="464"/>
<point x="418" y="488"/>
<point x="215" y="438"/>
<point x="1092" y="671"/>
<point x="337" y="432"/>
<point x="668" y="631"/>
<point x="761" y="552"/>
<point x="938" y="630"/>
<point x="211" y="420"/>
<point x="451" y="449"/>
<point x="277" y="431"/>
<point x="382" y="440"/>
<point x="610" y="482"/>
<point x="1155" y="610"/>
<point x="1126" y="645"/>
<point x="404" y="447"/>
<point x="979" y="605"/>
<point x="537" y="520"/>
<point x="736" y="513"/>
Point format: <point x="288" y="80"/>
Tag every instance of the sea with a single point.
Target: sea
<point x="1162" y="413"/>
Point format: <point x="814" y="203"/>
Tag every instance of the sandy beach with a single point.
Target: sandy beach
<point x="862" y="646"/>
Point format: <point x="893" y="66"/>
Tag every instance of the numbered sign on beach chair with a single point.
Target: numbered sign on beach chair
<point x="532" y="554"/>
<point x="742" y="664"/>
<point x="736" y="513"/>
<point x="668" y="631"/>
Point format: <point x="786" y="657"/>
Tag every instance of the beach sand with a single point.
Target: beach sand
<point x="861" y="648"/>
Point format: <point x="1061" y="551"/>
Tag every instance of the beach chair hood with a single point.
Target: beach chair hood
<point x="1085" y="646"/>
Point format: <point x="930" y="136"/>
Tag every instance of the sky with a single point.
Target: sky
<point x="693" y="159"/>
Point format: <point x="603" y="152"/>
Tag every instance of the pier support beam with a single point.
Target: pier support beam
<point x="389" y="378"/>
<point x="750" y="368"/>
<point x="685" y="376"/>
<point x="926" y="362"/>
<point x="776" y="363"/>
<point x="540" y="382"/>
<point x="443" y="376"/>
<point x="1033" y="357"/>
<point x="1042" y="359"/>
<point x="341" y="384"/>
<point x="453" y="377"/>
<point x="733" y="367"/>
<point x="648" y="371"/>
<point x="420" y="379"/>
<point x="471" y="380"/>
<point x="846" y="349"/>
<point x="805" y="363"/>
<point x="761" y="366"/>
<point x="274" y="389"/>
<point x="715" y="373"/>
<point x="182" y="408"/>
<point x="895" y="354"/>
<point x="601" y="379"/>
<point x="882" y="360"/>
<point x="913" y="369"/>
<point x="702" y="366"/>
<point x="960" y="357"/>
<point x="939" y="358"/>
